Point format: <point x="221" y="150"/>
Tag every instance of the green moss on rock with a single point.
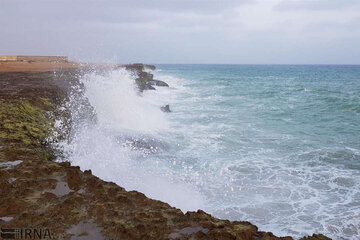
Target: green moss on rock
<point x="25" y="124"/>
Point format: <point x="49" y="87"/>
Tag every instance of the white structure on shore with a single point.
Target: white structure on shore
<point x="33" y="59"/>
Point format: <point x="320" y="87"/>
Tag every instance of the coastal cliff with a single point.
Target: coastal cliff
<point x="59" y="200"/>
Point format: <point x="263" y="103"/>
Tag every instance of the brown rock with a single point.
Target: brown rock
<point x="316" y="237"/>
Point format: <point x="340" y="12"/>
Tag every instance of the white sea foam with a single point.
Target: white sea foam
<point x="122" y="111"/>
<point x="118" y="105"/>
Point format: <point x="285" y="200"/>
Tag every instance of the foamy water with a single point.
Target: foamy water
<point x="124" y="115"/>
<point x="275" y="145"/>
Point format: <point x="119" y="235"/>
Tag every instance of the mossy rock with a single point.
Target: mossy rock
<point x="25" y="125"/>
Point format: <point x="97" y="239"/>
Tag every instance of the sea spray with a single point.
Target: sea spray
<point x="127" y="130"/>
<point x="118" y="104"/>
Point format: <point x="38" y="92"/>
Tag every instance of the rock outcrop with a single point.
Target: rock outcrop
<point x="145" y="80"/>
<point x="158" y="83"/>
<point x="166" y="108"/>
<point x="38" y="193"/>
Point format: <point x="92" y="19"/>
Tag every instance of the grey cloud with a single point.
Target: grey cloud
<point x="111" y="11"/>
<point x="202" y="6"/>
<point x="337" y="28"/>
<point x="172" y="31"/>
<point x="111" y="7"/>
<point x="315" y="5"/>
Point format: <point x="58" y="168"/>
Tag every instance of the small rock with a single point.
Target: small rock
<point x="165" y="108"/>
<point x="151" y="67"/>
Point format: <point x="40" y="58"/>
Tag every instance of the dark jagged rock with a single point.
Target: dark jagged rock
<point x="166" y="108"/>
<point x="145" y="80"/>
<point x="37" y="193"/>
<point x="149" y="87"/>
<point x="151" y="67"/>
<point x="158" y="83"/>
<point x="142" y="80"/>
<point x="140" y="65"/>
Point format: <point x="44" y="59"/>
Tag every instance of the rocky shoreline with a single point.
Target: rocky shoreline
<point x="59" y="201"/>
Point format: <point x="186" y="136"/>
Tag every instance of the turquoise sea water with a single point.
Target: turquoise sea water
<point x="276" y="145"/>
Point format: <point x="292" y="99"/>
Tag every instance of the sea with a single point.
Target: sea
<point x="276" y="145"/>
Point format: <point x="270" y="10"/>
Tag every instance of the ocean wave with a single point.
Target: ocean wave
<point x="128" y="129"/>
<point x="252" y="148"/>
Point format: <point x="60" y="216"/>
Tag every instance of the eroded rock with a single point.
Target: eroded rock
<point x="187" y="231"/>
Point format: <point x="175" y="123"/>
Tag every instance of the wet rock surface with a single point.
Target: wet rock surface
<point x="159" y="83"/>
<point x="166" y="108"/>
<point x="36" y="192"/>
<point x="144" y="79"/>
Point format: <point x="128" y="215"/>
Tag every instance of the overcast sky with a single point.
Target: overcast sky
<point x="184" y="31"/>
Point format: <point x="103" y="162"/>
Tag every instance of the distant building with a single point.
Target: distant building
<point x="33" y="59"/>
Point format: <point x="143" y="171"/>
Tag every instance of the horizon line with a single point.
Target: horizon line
<point x="300" y="64"/>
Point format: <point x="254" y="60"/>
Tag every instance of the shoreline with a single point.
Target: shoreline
<point x="40" y="193"/>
